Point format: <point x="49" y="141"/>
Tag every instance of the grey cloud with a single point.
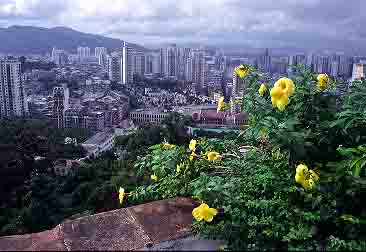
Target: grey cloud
<point x="269" y="23"/>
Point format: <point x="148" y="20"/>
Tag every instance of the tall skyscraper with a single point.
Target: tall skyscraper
<point x="13" y="99"/>
<point x="183" y="55"/>
<point x="295" y="60"/>
<point x="196" y="70"/>
<point x="264" y="62"/>
<point x="83" y="53"/>
<point x="279" y="65"/>
<point x="60" y="104"/>
<point x="59" y="57"/>
<point x="322" y="64"/>
<point x="102" y="61"/>
<point x="152" y="63"/>
<point x="334" y="68"/>
<point x="127" y="64"/>
<point x="115" y="66"/>
<point x="100" y="50"/>
<point x="169" y="61"/>
<point x="138" y="64"/>
<point x="101" y="54"/>
<point x="345" y="66"/>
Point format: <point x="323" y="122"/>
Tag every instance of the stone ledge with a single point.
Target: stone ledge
<point x="123" y="229"/>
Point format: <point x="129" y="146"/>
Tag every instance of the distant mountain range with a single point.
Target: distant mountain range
<point x="37" y="40"/>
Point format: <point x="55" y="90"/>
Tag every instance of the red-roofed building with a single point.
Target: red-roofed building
<point x="219" y="118"/>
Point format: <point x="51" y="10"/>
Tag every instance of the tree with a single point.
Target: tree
<point x="176" y="126"/>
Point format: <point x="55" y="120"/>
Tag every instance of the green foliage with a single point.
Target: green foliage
<point x="260" y="205"/>
<point x="357" y="159"/>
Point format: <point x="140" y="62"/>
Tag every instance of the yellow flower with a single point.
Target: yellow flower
<point x="193" y="156"/>
<point x="167" y="146"/>
<point x="121" y="195"/>
<point x="242" y="71"/>
<point x="192" y="145"/>
<point x="281" y="92"/>
<point x="180" y="167"/>
<point x="287" y="85"/>
<point x="221" y="104"/>
<point x="154" y="178"/>
<point x="308" y="184"/>
<point x="347" y="217"/>
<point x="301" y="174"/>
<point x="323" y="81"/>
<point x="305" y="177"/>
<point x="204" y="212"/>
<point x="213" y="156"/>
<point x="262" y="90"/>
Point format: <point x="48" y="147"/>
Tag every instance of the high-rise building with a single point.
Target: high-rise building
<point x="127" y="64"/>
<point x="345" y="66"/>
<point x="309" y="60"/>
<point x="138" y="64"/>
<point x="264" y="62"/>
<point x="60" y="104"/>
<point x="101" y="55"/>
<point x="183" y="55"/>
<point x="321" y="64"/>
<point x="59" y="57"/>
<point x="196" y="70"/>
<point x="13" y="100"/>
<point x="334" y="68"/>
<point x="215" y="78"/>
<point x="279" y="65"/>
<point x="169" y="61"/>
<point x="115" y="66"/>
<point x="83" y="53"/>
<point x="152" y="63"/>
<point x="295" y="60"/>
<point x="102" y="61"/>
<point x="100" y="50"/>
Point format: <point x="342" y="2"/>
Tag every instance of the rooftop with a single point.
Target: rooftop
<point x="100" y="137"/>
<point x="135" y="228"/>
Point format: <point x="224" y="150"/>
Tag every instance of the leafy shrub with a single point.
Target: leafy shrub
<point x="260" y="205"/>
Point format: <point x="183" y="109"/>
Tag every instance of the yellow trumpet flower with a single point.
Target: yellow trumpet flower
<point x="154" y="178"/>
<point x="242" y="71"/>
<point x="323" y="81"/>
<point x="262" y="90"/>
<point x="204" y="212"/>
<point x="121" y="194"/>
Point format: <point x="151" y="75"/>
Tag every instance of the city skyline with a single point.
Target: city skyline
<point x="304" y="24"/>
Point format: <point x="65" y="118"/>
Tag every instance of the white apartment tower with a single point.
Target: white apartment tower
<point x="60" y="105"/>
<point x="83" y="53"/>
<point x="115" y="66"/>
<point x="13" y="100"/>
<point x="169" y="61"/>
<point x="196" y="69"/>
<point x="138" y="64"/>
<point x="100" y="50"/>
<point x="127" y="64"/>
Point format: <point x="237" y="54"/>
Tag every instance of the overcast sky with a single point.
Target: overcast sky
<point x="258" y="23"/>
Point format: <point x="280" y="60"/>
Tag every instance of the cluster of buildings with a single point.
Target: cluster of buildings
<point x="209" y="70"/>
<point x="95" y="113"/>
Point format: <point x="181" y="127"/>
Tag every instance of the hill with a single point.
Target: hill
<point x="37" y="40"/>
